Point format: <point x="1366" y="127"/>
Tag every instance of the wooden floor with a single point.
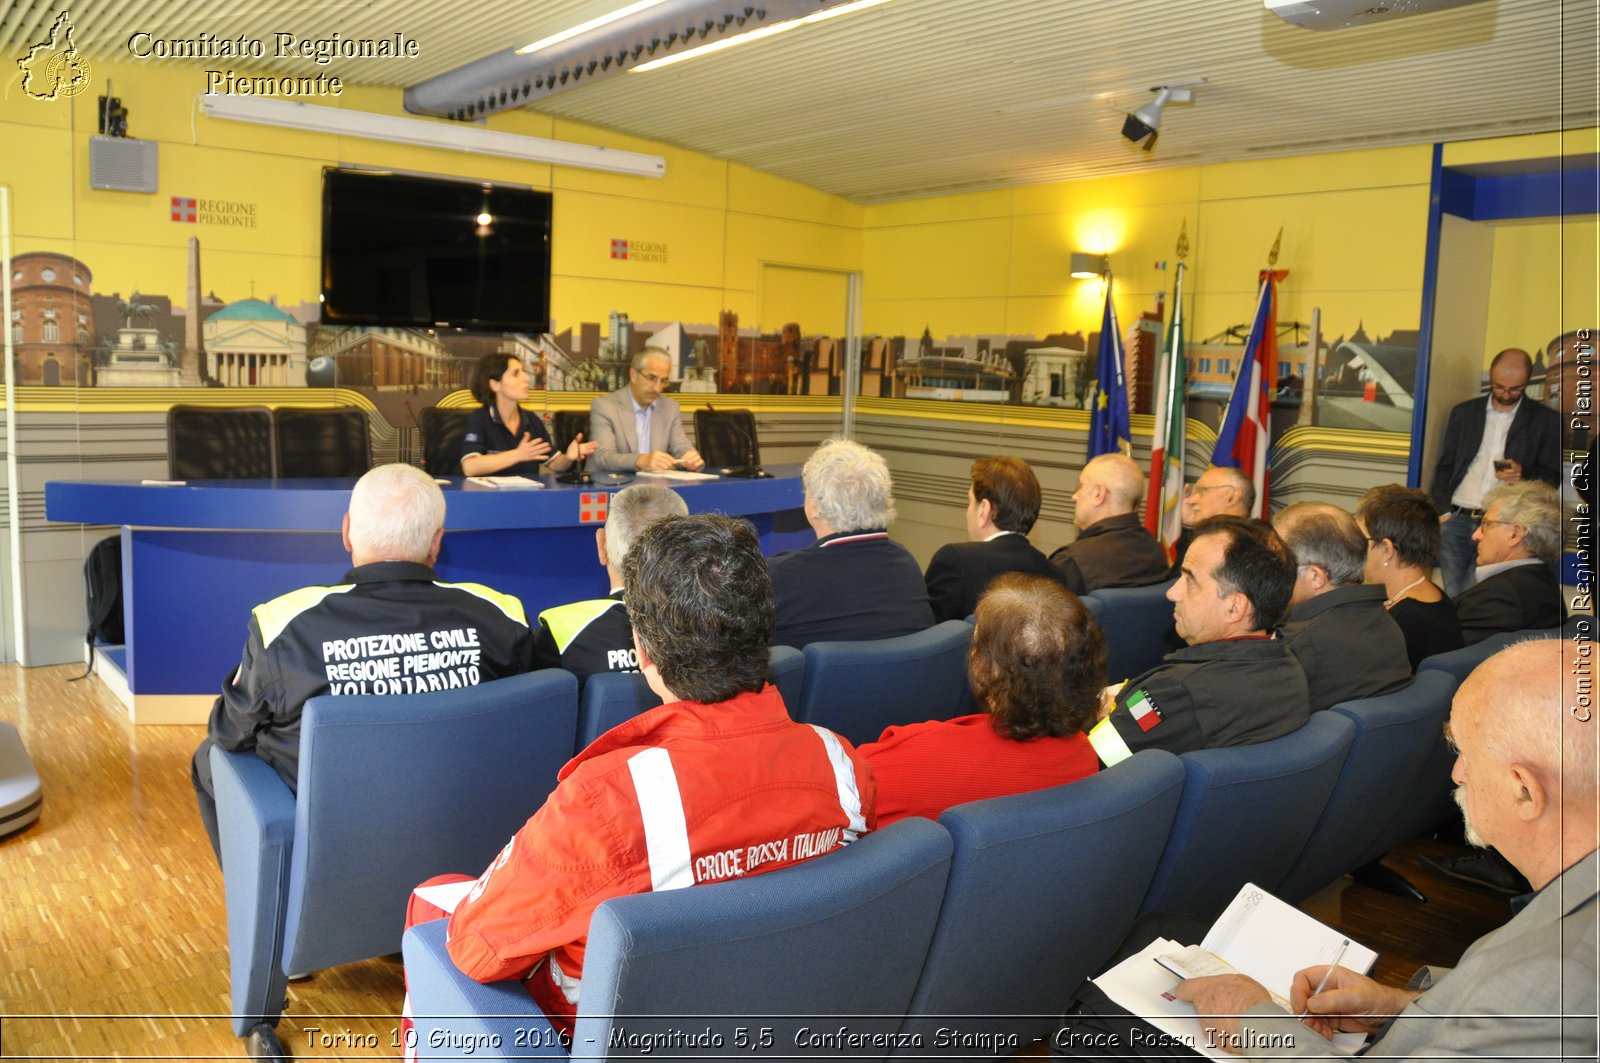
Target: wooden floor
<point x="113" y="942"/>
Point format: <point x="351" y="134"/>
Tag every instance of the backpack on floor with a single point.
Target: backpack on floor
<point x="102" y="585"/>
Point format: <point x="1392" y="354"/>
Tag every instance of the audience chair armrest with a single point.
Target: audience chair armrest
<point x="453" y="1013"/>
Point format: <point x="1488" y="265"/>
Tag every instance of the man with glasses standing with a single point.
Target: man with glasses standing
<point x="637" y="428"/>
<point x="1502" y="441"/>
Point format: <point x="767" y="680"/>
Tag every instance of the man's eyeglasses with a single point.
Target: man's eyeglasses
<point x="659" y="381"/>
<point x="1512" y="523"/>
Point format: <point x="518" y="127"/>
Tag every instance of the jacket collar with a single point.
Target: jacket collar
<point x="388" y="571"/>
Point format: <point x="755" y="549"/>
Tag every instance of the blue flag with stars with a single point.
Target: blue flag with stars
<point x="1109" y="431"/>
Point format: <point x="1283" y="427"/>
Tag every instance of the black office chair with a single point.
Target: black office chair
<point x="442" y="432"/>
<point x="568" y="423"/>
<point x="322" y="443"/>
<point x="220" y="443"/>
<point x="726" y="439"/>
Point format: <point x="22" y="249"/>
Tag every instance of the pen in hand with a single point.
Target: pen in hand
<point x="1325" y="976"/>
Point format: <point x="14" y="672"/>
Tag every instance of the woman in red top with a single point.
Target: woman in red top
<point x="1037" y="666"/>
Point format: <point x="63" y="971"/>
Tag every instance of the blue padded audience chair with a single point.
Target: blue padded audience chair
<point x="1394" y="739"/>
<point x="1245" y="815"/>
<point x="392" y="790"/>
<point x="838" y="940"/>
<point x="1043" y="888"/>
<point x="1458" y="664"/>
<point x="859" y="688"/>
<point x="610" y="698"/>
<point x="1139" y="628"/>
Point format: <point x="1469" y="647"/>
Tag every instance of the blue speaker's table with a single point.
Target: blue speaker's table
<point x="198" y="557"/>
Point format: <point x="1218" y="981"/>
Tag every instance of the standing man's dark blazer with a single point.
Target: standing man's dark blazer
<point x="960" y="572"/>
<point x="1534" y="442"/>
<point x="1513" y="599"/>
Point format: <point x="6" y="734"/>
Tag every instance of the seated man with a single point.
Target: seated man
<point x="679" y="794"/>
<point x="1519" y="539"/>
<point x="1336" y="620"/>
<point x="853" y="583"/>
<point x="637" y="428"/>
<point x="320" y="640"/>
<point x="1235" y="683"/>
<point x="1525" y="775"/>
<point x="1112" y="549"/>
<point x="1220" y="491"/>
<point x="596" y="635"/>
<point x="1002" y="504"/>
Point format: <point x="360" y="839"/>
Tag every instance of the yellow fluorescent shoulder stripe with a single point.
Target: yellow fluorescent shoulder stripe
<point x="508" y="604"/>
<point x="1108" y="744"/>
<point x="566" y="622"/>
<point x="274" y="616"/>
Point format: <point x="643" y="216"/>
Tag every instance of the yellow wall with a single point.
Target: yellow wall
<point x="1544" y="283"/>
<point x="722" y="223"/>
<point x="1354" y="228"/>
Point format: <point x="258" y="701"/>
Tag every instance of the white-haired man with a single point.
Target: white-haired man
<point x="596" y="635"/>
<point x="637" y="428"/>
<point x="1525" y="778"/>
<point x="1112" y="549"/>
<point x="1519" y="543"/>
<point x="373" y="633"/>
<point x="854" y="582"/>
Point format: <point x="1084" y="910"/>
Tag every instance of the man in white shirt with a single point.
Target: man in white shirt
<point x="1487" y="443"/>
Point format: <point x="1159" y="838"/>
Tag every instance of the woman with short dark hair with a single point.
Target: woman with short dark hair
<point x="501" y="438"/>
<point x="1037" y="667"/>
<point x="1402" y="530"/>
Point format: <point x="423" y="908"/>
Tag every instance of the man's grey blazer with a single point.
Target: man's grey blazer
<point x="613" y="429"/>
<point x="1525" y="991"/>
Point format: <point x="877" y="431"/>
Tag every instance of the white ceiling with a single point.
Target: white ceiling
<point x="922" y="97"/>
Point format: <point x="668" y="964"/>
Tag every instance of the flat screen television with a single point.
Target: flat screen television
<point x="420" y="252"/>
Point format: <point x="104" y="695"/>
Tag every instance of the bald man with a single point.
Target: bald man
<point x="1488" y="443"/>
<point x="1112" y="548"/>
<point x="1525" y="780"/>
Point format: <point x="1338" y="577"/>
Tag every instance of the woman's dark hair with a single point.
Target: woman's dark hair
<point x="1038" y="659"/>
<point x="490" y="367"/>
<point x="1406" y="517"/>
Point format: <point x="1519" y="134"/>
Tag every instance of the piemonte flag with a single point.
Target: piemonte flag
<point x="1246" y="428"/>
<point x="1109" y="429"/>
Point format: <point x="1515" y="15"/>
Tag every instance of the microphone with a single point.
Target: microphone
<point x="578" y="474"/>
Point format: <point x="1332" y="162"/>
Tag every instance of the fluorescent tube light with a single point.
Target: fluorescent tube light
<point x="755" y="35"/>
<point x="423" y="133"/>
<point x="584" y="27"/>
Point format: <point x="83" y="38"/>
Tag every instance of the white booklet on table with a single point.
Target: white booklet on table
<point x="1259" y="936"/>
<point x="516" y="482"/>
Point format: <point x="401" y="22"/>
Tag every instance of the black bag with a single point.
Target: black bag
<point x="102" y="585"/>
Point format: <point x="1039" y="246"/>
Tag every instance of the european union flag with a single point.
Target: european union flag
<point x="1109" y="430"/>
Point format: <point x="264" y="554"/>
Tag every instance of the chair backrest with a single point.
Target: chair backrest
<point x="1043" y="888"/>
<point x="394" y="789"/>
<point x="727" y="438"/>
<point x="859" y="688"/>
<point x="322" y="442"/>
<point x="1139" y="628"/>
<point x="843" y="935"/>
<point x="568" y="423"/>
<point x="1394" y="738"/>
<point x="1245" y="815"/>
<point x="442" y="432"/>
<point x="220" y="443"/>
<point x="610" y="698"/>
<point x="1459" y="663"/>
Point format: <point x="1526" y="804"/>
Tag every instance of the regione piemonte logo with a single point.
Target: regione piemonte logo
<point x="54" y="68"/>
<point x="619" y="249"/>
<point x="183" y="209"/>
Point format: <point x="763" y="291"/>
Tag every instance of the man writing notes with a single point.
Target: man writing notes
<point x="637" y="428"/>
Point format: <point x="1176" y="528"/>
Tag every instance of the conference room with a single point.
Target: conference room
<point x="248" y="257"/>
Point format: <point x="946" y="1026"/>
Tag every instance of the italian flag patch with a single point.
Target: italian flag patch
<point x="1143" y="710"/>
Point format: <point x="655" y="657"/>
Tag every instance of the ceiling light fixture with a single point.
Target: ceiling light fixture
<point x="756" y="35"/>
<point x="584" y="27"/>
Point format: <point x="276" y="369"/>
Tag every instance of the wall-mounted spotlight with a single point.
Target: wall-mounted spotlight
<point x="1145" y="122"/>
<point x="1086" y="266"/>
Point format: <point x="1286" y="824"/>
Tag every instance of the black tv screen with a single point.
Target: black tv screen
<point x="420" y="252"/>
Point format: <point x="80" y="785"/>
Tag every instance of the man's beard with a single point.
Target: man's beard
<point x="1473" y="837"/>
